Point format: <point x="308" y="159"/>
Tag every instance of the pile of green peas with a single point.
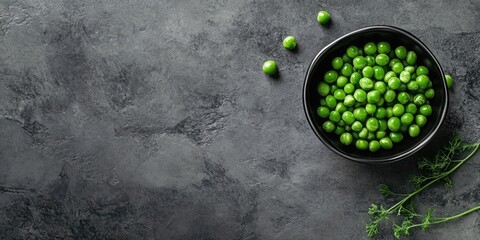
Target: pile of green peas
<point x="375" y="96"/>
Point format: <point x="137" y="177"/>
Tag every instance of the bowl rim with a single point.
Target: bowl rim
<point x="406" y="153"/>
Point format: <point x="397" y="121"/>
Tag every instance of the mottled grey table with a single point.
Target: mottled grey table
<point x="146" y="119"/>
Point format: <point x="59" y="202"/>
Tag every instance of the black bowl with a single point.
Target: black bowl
<point x="395" y="36"/>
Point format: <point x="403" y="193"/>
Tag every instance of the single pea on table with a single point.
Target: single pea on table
<point x="270" y="67"/>
<point x="375" y="97"/>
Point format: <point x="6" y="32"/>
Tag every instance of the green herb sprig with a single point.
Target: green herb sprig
<point x="432" y="170"/>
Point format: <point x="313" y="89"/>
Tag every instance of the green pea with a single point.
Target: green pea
<point x="370" y="48"/>
<point x="430" y="93"/>
<point x="330" y="76"/>
<point x="349" y="101"/>
<point x="342" y="81"/>
<point x="411" y="108"/>
<point x="360" y="114"/>
<point x="378" y="73"/>
<point x="389" y="75"/>
<point x="339" y="94"/>
<point x="370" y="108"/>
<point x="380" y="134"/>
<point x="352" y="52"/>
<point x="389" y="112"/>
<point x="323" y="102"/>
<point x="401" y="52"/>
<point x="335" y="116"/>
<point x="347" y="69"/>
<point x="381" y="102"/>
<point x="366" y="83"/>
<point x="341" y="123"/>
<point x="393" y="61"/>
<point x="397" y="68"/>
<point x="405" y="76"/>
<point x="449" y="80"/>
<point x="398" y="110"/>
<point x="323" y="17"/>
<point x="348" y="117"/>
<point x="355" y="78"/>
<point x="383" y="47"/>
<point x="383" y="125"/>
<point x="414" y="130"/>
<point x="411" y="58"/>
<point x="360" y="95"/>
<point x="289" y="43"/>
<point x="357" y="126"/>
<point x="361" y="144"/>
<point x="337" y="63"/>
<point x="346" y="59"/>
<point x="380" y="113"/>
<point x="346" y="138"/>
<point x="420" y="120"/>
<point x="407" y="119"/>
<point x="341" y="107"/>
<point x="331" y="101"/>
<point x="363" y="134"/>
<point x="412" y="85"/>
<point x="370" y="136"/>
<point x="358" y="104"/>
<point x="372" y="124"/>
<point x="396" y="137"/>
<point x="367" y="72"/>
<point x="410" y="69"/>
<point x="422" y="70"/>
<point x="419" y="99"/>
<point x="394" y="83"/>
<point x="328" y="126"/>
<point x="386" y="143"/>
<point x="349" y="88"/>
<point x="381" y="87"/>
<point x="339" y="130"/>
<point x="423" y="81"/>
<point x="373" y="96"/>
<point x="323" y="112"/>
<point x="414" y="75"/>
<point x="370" y="61"/>
<point x="359" y="62"/>
<point x="390" y="95"/>
<point x="382" y="59"/>
<point x="355" y="135"/>
<point x="323" y="89"/>
<point x="393" y="123"/>
<point x="403" y="97"/>
<point x="270" y="67"/>
<point x="426" y="110"/>
<point x="333" y="88"/>
<point x="402" y="88"/>
<point x="374" y="146"/>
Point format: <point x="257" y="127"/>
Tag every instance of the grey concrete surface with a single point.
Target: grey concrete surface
<point x="152" y="119"/>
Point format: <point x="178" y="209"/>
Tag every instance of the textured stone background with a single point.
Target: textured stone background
<point x="147" y="119"/>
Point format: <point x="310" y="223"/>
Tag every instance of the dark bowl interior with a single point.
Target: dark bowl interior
<point x="395" y="36"/>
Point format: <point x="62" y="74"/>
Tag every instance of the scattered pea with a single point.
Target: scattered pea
<point x="323" y="17"/>
<point x="270" y="67"/>
<point x="289" y="43"/>
<point x="449" y="80"/>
